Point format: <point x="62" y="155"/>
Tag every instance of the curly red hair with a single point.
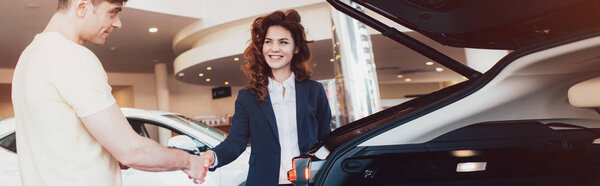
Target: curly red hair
<point x="257" y="69"/>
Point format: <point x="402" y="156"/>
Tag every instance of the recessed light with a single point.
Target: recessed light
<point x="399" y="76"/>
<point x="429" y="63"/>
<point x="207" y="79"/>
<point x="180" y="74"/>
<point x="208" y="68"/>
<point x="338" y="56"/>
<point x="332" y="60"/>
<point x="439" y="69"/>
<point x="113" y="48"/>
<point x="236" y="59"/>
<point x="408" y="80"/>
<point x="153" y="30"/>
<point x="226" y="82"/>
<point x="200" y="74"/>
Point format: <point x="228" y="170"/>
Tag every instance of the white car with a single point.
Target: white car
<point x="202" y="137"/>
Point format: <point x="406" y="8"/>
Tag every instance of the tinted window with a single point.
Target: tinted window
<point x="9" y="142"/>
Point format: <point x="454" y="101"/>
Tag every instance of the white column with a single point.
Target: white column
<point x="162" y="98"/>
<point x="483" y="59"/>
<point x="355" y="67"/>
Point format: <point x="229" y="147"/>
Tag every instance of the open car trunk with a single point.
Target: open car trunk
<point x="497" y="128"/>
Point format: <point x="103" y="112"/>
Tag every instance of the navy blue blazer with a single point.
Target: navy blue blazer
<point x="255" y="121"/>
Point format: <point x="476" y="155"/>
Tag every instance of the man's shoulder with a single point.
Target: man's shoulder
<point x="66" y="49"/>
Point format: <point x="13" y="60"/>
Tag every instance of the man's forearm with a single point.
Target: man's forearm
<point x="151" y="156"/>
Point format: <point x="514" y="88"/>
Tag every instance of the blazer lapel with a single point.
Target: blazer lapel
<point x="301" y="101"/>
<point x="267" y="109"/>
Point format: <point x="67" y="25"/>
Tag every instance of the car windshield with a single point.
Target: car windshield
<point x="210" y="131"/>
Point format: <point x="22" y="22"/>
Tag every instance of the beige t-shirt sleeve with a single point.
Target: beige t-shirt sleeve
<point x="81" y="82"/>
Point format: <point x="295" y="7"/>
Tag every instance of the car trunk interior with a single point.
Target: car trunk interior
<point x="515" y="153"/>
<point x="512" y="132"/>
<point x="504" y="120"/>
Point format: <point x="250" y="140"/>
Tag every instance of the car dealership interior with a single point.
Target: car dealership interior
<point x="434" y="92"/>
<point x="170" y="56"/>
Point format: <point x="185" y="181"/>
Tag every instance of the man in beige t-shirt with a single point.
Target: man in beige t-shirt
<point x="70" y="131"/>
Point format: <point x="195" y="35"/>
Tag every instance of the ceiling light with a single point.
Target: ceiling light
<point x="180" y="74"/>
<point x="407" y="79"/>
<point x="201" y="74"/>
<point x="113" y="48"/>
<point x="226" y="82"/>
<point x="236" y="59"/>
<point x="429" y="63"/>
<point x="439" y="69"/>
<point x="207" y="79"/>
<point x="399" y="76"/>
<point x="153" y="30"/>
<point x="332" y="60"/>
<point x="208" y="68"/>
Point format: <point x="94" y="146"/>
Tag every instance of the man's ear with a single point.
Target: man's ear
<point x="81" y="7"/>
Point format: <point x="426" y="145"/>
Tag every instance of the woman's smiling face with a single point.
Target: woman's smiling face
<point x="278" y="48"/>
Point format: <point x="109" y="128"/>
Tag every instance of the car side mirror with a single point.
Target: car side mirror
<point x="184" y="143"/>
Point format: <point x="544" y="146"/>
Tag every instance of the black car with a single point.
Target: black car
<point x="532" y="119"/>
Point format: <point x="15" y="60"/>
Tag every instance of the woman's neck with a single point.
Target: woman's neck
<point x="280" y="75"/>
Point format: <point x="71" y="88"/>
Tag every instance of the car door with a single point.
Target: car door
<point x="137" y="177"/>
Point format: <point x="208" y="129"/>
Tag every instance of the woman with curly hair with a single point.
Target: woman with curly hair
<point x="281" y="112"/>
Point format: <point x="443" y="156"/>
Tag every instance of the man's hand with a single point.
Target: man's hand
<point x="199" y="166"/>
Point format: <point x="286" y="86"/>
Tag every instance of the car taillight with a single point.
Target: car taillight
<point x="307" y="173"/>
<point x="292" y="173"/>
<point x="300" y="173"/>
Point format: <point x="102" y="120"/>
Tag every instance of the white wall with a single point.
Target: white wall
<point x="195" y="100"/>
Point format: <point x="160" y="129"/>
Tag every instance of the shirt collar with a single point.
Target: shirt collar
<point x="290" y="82"/>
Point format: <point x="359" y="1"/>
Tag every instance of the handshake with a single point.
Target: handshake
<point x="198" y="166"/>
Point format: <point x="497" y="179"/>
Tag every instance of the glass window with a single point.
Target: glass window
<point x="9" y="142"/>
<point x="201" y="147"/>
<point x="212" y="132"/>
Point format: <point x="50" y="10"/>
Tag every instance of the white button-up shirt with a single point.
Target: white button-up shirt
<point x="284" y="106"/>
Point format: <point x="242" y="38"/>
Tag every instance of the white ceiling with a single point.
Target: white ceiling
<point x="136" y="50"/>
